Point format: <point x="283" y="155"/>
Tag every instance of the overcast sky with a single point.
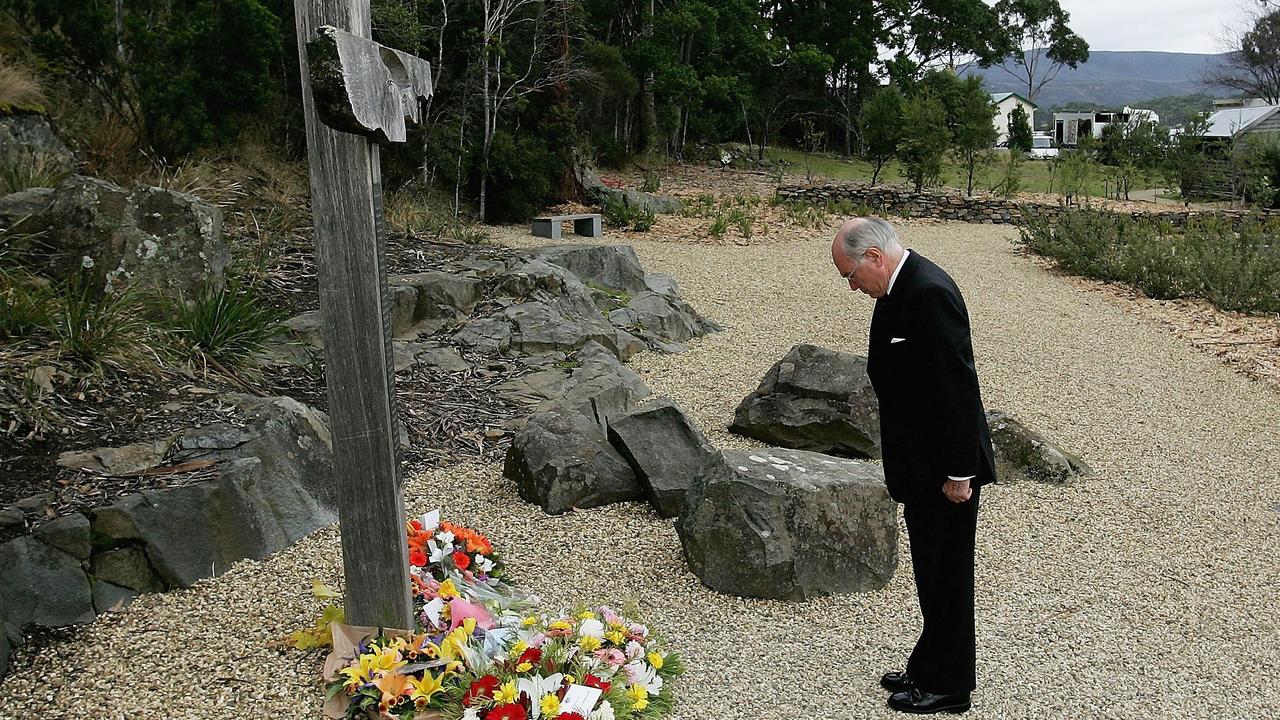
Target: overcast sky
<point x="1193" y="26"/>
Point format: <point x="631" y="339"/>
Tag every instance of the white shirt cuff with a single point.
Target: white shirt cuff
<point x="953" y="478"/>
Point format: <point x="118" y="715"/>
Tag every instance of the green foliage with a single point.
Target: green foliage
<point x="1010" y="183"/>
<point x="643" y="221"/>
<point x="882" y="128"/>
<point x="229" y="325"/>
<point x="1019" y="130"/>
<point x="1178" y="110"/>
<point x="1075" y="168"/>
<point x="652" y="182"/>
<point x="973" y="133"/>
<point x="92" y="328"/>
<point x="719" y="226"/>
<point x="187" y="72"/>
<point x="1185" y="159"/>
<point x="924" y="140"/>
<point x="1041" y="26"/>
<point x="20" y="171"/>
<point x="1234" y="270"/>
<point x="520" y="170"/>
<point x="25" y="304"/>
<point x="615" y="212"/>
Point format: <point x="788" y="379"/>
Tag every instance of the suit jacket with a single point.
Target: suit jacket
<point x="920" y="362"/>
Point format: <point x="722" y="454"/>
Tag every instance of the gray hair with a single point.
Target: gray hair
<point x="870" y="232"/>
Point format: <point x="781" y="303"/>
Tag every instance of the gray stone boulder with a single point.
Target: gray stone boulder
<point x="127" y="567"/>
<point x="596" y="191"/>
<point x="28" y="138"/>
<point x="591" y="381"/>
<point x="1022" y="453"/>
<point x="167" y="241"/>
<point x="814" y="399"/>
<point x="17" y="209"/>
<point x="661" y="319"/>
<point x="664" y="448"/>
<point x="789" y="524"/>
<point x="42" y="585"/>
<point x="614" y="267"/>
<point x="439" y="298"/>
<point x="108" y="597"/>
<point x="562" y="460"/>
<point x="69" y="533"/>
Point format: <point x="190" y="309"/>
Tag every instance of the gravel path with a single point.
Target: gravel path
<point x="1150" y="592"/>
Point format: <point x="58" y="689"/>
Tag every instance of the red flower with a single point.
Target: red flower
<point x="532" y="656"/>
<point x="417" y="558"/>
<point x="482" y="688"/>
<point x="507" y="712"/>
<point x="461" y="560"/>
<point x="595" y="682"/>
<point x="569" y="716"/>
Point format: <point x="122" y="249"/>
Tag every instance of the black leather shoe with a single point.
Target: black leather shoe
<point x="896" y="682"/>
<point x="920" y="702"/>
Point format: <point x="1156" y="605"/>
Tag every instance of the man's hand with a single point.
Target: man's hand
<point x="957" y="491"/>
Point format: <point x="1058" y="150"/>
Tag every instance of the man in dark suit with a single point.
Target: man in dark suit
<point x="936" y="447"/>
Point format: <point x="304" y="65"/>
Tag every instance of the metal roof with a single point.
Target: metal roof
<point x="998" y="98"/>
<point x="1231" y="121"/>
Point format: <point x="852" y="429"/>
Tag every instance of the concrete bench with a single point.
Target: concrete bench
<point x="587" y="224"/>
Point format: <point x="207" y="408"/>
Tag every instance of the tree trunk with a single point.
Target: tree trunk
<point x="648" y="115"/>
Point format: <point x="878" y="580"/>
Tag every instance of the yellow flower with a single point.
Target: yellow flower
<point x="616" y="637"/>
<point x="424" y="689"/>
<point x="588" y="643"/>
<point x="639" y="697"/>
<point x="469" y="624"/>
<point x="530" y="621"/>
<point x="586" y="615"/>
<point x="524" y="667"/>
<point x="506" y="694"/>
<point x="550" y="705"/>
<point x="655" y="660"/>
<point x="448" y="590"/>
<point x="561" y="625"/>
<point x="570" y="679"/>
<point x="386" y="660"/>
<point x="393" y="686"/>
<point x="518" y="648"/>
<point x="358" y="674"/>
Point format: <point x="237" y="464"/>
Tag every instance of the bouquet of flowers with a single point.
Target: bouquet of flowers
<point x="478" y="653"/>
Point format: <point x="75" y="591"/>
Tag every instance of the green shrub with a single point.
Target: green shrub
<point x="643" y="221"/>
<point x="92" y="328"/>
<point x="230" y="325"/>
<point x="520" y="172"/>
<point x="651" y="183"/>
<point x="719" y="226"/>
<point x="19" y="173"/>
<point x="1233" y="269"/>
<point x="24" y="305"/>
<point x="616" y="212"/>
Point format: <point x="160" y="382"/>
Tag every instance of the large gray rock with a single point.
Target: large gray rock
<point x="109" y="596"/>
<point x="614" y="267"/>
<point x="28" y="138"/>
<point x="441" y="295"/>
<point x="127" y="567"/>
<point x="664" y="448"/>
<point x="814" y="399"/>
<point x="592" y="382"/>
<point x="69" y="533"/>
<point x="42" y="585"/>
<point x="167" y="241"/>
<point x="596" y="191"/>
<point x="539" y="327"/>
<point x="561" y="460"/>
<point x="1023" y="453"/>
<point x="789" y="524"/>
<point x="662" y="318"/>
<point x="17" y="209"/>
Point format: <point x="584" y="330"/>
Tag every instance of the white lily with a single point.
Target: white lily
<point x="591" y="627"/>
<point x="536" y="687"/>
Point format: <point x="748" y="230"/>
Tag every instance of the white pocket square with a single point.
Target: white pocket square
<point x="896" y="340"/>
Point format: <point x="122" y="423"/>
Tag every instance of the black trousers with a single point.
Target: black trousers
<point x="942" y="537"/>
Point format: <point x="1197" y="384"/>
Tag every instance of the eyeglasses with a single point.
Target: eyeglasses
<point x="849" y="275"/>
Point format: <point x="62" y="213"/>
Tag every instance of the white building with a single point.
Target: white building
<point x="1069" y="127"/>
<point x="1005" y="102"/>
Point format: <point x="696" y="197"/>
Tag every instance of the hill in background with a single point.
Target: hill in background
<point x="1114" y="79"/>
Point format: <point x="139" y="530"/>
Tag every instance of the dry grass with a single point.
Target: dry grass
<point x="19" y="88"/>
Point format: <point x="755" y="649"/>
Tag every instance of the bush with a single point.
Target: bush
<point x="19" y="172"/>
<point x="652" y="182"/>
<point x="230" y="325"/>
<point x="616" y="213"/>
<point x="643" y="221"/>
<point x="93" y="329"/>
<point x="24" y="305"/>
<point x="520" y="172"/>
<point x="1233" y="269"/>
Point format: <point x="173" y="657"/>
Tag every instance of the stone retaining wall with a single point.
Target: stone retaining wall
<point x="944" y="205"/>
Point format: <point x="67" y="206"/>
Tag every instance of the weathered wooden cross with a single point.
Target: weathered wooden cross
<point x="356" y="92"/>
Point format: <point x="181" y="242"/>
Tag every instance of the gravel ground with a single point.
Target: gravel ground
<point x="1149" y="592"/>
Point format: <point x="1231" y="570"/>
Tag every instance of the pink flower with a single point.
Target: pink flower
<point x="634" y="650"/>
<point x="612" y="656"/>
<point x="460" y="610"/>
<point x="610" y="617"/>
<point x="538" y="640"/>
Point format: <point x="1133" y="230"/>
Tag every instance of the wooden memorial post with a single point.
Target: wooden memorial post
<point x="355" y="91"/>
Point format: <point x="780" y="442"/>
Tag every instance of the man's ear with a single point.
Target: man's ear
<point x="874" y="254"/>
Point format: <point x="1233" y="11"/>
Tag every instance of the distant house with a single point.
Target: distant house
<point x="1240" y="122"/>
<point x="1069" y="127"/>
<point x="1005" y="102"/>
